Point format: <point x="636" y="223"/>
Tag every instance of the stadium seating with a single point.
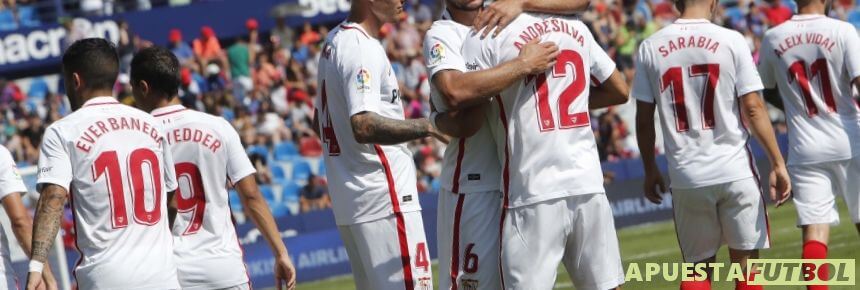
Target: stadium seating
<point x="286" y="151"/>
<point x="278" y="171"/>
<point x="7" y="20"/>
<point x="235" y="202"/>
<point x="854" y="17"/>
<point x="27" y="16"/>
<point x="258" y="149"/>
<point x="268" y="193"/>
<point x="301" y="171"/>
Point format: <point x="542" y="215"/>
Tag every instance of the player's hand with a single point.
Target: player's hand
<point x="780" y="185"/>
<point x="48" y="280"/>
<point x="285" y="273"/>
<point x="537" y="57"/>
<point x="34" y="281"/>
<point x="435" y="133"/>
<point x="654" y="187"/>
<point x="497" y="16"/>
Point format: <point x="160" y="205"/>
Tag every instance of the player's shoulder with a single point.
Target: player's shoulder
<point x="348" y="35"/>
<point x="447" y="27"/>
<point x="5" y="156"/>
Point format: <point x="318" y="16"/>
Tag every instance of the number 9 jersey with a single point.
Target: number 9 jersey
<point x="114" y="162"/>
<point x="541" y="125"/>
<point x="696" y="72"/>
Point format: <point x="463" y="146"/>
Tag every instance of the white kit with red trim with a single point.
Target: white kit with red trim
<point x="115" y="163"/>
<point x="696" y="73"/>
<point x="208" y="155"/>
<point x="812" y="60"/>
<point x="545" y="141"/>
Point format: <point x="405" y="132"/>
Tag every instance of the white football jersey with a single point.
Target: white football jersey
<point x="366" y="181"/>
<point x="541" y="124"/>
<point x="470" y="164"/>
<point x="809" y="59"/>
<point x="114" y="161"/>
<point x="10" y="183"/>
<point x="208" y="154"/>
<point x="696" y="72"/>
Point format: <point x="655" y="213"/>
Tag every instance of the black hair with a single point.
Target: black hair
<point x="95" y="60"/>
<point x="159" y="68"/>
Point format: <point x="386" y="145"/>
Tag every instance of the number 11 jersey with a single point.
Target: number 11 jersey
<point x="208" y="154"/>
<point x="696" y="72"/>
<point x="541" y="124"/>
<point x="813" y="60"/>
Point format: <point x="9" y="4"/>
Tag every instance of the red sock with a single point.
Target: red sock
<point x="742" y="285"/>
<point x="696" y="285"/>
<point x="816" y="250"/>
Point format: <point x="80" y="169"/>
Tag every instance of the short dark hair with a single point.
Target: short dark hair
<point x="95" y="60"/>
<point x="159" y="68"/>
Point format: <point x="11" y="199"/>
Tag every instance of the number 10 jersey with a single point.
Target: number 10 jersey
<point x="695" y="72"/>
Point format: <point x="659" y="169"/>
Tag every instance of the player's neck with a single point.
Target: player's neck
<point x="91" y="94"/>
<point x="167" y="102"/>
<point x="697" y="12"/>
<point x="815" y="8"/>
<point x="365" y="18"/>
<point x="464" y="17"/>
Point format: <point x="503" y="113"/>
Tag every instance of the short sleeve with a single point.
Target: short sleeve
<point x="55" y="163"/>
<point x="479" y="54"/>
<point x="363" y="74"/>
<point x="441" y="51"/>
<point x="642" y="89"/>
<point x="238" y="164"/>
<point x="766" y="64"/>
<point x="169" y="168"/>
<point x="10" y="179"/>
<point x="747" y="79"/>
<point x="852" y="58"/>
<point x="601" y="64"/>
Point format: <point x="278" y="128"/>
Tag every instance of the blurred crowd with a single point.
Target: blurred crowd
<point x="264" y="84"/>
<point x="15" y="14"/>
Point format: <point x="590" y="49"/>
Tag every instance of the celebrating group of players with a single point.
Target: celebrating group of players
<point x="522" y="189"/>
<point x="522" y="183"/>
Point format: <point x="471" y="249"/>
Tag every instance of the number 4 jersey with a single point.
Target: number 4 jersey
<point x="813" y="60"/>
<point x="696" y="72"/>
<point x="208" y="155"/>
<point x="541" y="124"/>
<point x="114" y="162"/>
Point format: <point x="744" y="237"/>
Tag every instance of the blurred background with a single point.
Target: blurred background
<point x="254" y="62"/>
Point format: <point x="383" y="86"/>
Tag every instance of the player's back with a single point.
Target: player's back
<point x="541" y="124"/>
<point x="810" y="60"/>
<point x="366" y="181"/>
<point x="208" y="154"/>
<point x="113" y="159"/>
<point x="695" y="72"/>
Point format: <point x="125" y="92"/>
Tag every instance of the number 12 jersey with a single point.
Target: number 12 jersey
<point x="695" y="72"/>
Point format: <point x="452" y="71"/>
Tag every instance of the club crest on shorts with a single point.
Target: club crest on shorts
<point x="437" y="53"/>
<point x="424" y="283"/>
<point x="362" y="79"/>
<point x="469" y="284"/>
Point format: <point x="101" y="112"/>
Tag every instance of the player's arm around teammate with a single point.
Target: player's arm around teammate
<point x="497" y="15"/>
<point x="258" y="211"/>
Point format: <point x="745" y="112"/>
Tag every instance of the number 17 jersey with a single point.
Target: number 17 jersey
<point x="541" y="124"/>
<point x="696" y="72"/>
<point x="208" y="154"/>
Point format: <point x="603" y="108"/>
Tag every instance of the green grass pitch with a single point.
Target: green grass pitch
<point x="656" y="243"/>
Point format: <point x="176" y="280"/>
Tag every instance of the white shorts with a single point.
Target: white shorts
<point x="468" y="235"/>
<point x="243" y="286"/>
<point x="384" y="251"/>
<point x="733" y="213"/>
<point x="816" y="186"/>
<point x="578" y="231"/>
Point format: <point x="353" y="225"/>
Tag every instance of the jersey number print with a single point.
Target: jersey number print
<point x="797" y="73"/>
<point x="108" y="164"/>
<point x="567" y="119"/>
<point x="673" y="79"/>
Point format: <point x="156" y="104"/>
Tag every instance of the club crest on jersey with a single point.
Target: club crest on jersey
<point x="362" y="79"/>
<point x="437" y="53"/>
<point x="469" y="284"/>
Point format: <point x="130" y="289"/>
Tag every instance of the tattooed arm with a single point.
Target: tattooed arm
<point x="371" y="128"/>
<point x="49" y="213"/>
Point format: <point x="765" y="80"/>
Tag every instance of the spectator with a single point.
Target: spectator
<point x="206" y="47"/>
<point x="125" y="47"/>
<point x="181" y="49"/>
<point x="314" y="195"/>
<point x="776" y="12"/>
<point x="240" y="60"/>
<point x="309" y="35"/>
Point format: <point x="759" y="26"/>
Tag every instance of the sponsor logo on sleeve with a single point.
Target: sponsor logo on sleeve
<point x="362" y="79"/>
<point x="437" y="53"/>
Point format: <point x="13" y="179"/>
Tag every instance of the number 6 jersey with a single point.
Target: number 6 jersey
<point x="696" y="72"/>
<point x="541" y="124"/>
<point x="813" y="60"/>
<point x="208" y="155"/>
<point x="114" y="162"/>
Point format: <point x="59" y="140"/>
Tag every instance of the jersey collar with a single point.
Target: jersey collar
<point x="691" y="21"/>
<point x="168" y="110"/>
<point x="353" y="25"/>
<point x="802" y="17"/>
<point x="97" y="101"/>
